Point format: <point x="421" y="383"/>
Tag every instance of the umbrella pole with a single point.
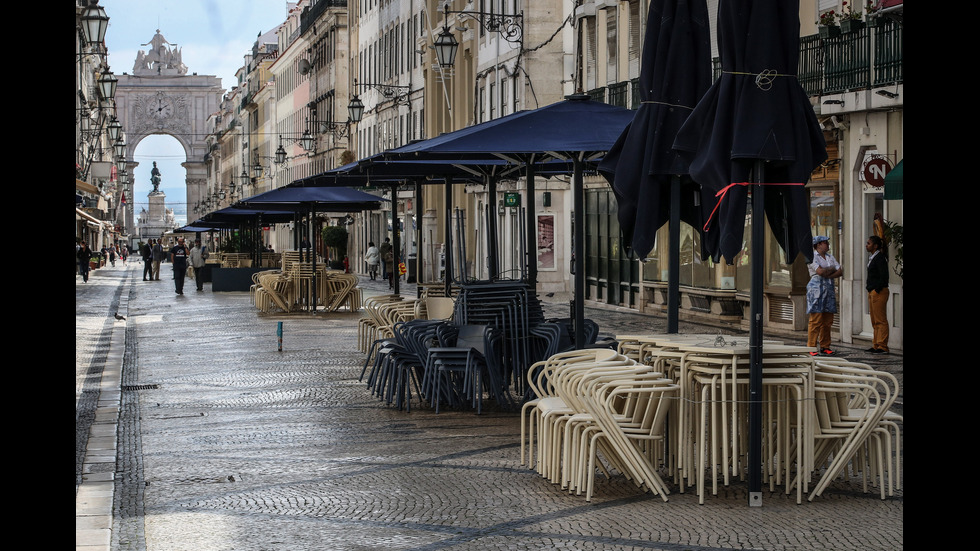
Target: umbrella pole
<point x="755" y="338"/>
<point x="673" y="263"/>
<point x="396" y="274"/>
<point x="446" y="247"/>
<point x="492" y="238"/>
<point x="579" y="235"/>
<point x="313" y="242"/>
<point x="419" y="212"/>
<point x="531" y="256"/>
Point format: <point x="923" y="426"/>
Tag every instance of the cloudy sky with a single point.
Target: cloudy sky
<point x="213" y="35"/>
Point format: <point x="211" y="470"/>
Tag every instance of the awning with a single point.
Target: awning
<point x="894" y="181"/>
<point x="81" y="185"/>
<point x="88" y="217"/>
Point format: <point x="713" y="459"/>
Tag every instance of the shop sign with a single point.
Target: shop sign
<point x="875" y="169"/>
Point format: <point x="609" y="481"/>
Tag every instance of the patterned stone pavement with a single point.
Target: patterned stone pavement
<point x="225" y="443"/>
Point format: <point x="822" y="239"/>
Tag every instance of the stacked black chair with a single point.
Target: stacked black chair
<point x="512" y="308"/>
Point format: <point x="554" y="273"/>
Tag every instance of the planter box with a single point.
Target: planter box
<point x="828" y="31"/>
<point x="851" y="25"/>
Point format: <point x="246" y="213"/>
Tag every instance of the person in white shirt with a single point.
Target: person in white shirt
<point x="821" y="299"/>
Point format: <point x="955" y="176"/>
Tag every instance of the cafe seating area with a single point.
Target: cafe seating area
<point x="298" y="286"/>
<point x="674" y="408"/>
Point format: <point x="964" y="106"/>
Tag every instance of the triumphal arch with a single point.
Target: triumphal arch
<point x="160" y="97"/>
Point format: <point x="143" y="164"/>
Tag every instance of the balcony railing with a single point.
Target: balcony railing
<point x="871" y="56"/>
<point x="618" y="94"/>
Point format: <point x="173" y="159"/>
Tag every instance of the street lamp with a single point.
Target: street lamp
<point x="107" y="85"/>
<point x="280" y="153"/>
<point x="446" y="47"/>
<point x="120" y="147"/>
<point x="356" y="109"/>
<point x="510" y="28"/>
<point x="115" y="127"/>
<point x="94" y="24"/>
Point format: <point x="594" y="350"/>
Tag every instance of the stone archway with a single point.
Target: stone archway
<point x="161" y="98"/>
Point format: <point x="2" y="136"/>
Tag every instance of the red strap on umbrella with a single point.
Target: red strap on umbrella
<point x="721" y="194"/>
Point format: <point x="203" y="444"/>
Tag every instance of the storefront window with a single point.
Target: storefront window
<point x="823" y="220"/>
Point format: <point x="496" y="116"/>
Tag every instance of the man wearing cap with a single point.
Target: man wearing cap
<point x="178" y="257"/>
<point x="821" y="300"/>
<point x="199" y="254"/>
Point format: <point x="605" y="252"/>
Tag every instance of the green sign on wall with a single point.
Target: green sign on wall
<point x="512" y="199"/>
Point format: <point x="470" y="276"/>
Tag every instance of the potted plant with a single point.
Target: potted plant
<point x="850" y="20"/>
<point x="872" y="15"/>
<point x="893" y="235"/>
<point x="827" y="24"/>
<point x="94" y="262"/>
<point x="335" y="239"/>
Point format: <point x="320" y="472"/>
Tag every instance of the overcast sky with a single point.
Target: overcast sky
<point x="213" y="36"/>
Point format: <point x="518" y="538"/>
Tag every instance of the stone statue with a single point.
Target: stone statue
<point x="155" y="177"/>
<point x="162" y="58"/>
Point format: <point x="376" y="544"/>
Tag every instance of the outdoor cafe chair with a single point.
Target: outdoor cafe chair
<point x="853" y="429"/>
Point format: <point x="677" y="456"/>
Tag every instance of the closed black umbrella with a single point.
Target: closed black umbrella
<point x="755" y="126"/>
<point x="649" y="178"/>
<point x="756" y="111"/>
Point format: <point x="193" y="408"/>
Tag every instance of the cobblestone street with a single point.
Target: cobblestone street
<point x="222" y="442"/>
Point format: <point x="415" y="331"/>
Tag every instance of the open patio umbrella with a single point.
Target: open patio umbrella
<point x="377" y="171"/>
<point x="576" y="130"/>
<point x="755" y="126"/>
<point x="647" y="176"/>
<point x="310" y="201"/>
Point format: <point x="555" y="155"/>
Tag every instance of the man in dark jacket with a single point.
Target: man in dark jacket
<point x="147" y="255"/>
<point x="877" y="286"/>
<point x="158" y="256"/>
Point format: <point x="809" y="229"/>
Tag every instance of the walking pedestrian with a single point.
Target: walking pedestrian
<point x="821" y="300"/>
<point x="373" y="258"/>
<point x="386" y="259"/>
<point x="199" y="254"/>
<point x="178" y="257"/>
<point x="112" y="255"/>
<point x="158" y="256"/>
<point x="82" y="255"/>
<point x="147" y="253"/>
<point x="877" y="286"/>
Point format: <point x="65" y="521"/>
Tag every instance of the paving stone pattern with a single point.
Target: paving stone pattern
<point x="226" y="443"/>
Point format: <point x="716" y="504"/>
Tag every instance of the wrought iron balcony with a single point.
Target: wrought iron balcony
<point x="866" y="58"/>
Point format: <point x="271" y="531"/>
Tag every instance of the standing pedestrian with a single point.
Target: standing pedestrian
<point x="373" y="258"/>
<point x="877" y="286"/>
<point x="158" y="256"/>
<point x="147" y="253"/>
<point x="178" y="257"/>
<point x="82" y="255"/>
<point x="821" y="300"/>
<point x="387" y="258"/>
<point x="199" y="254"/>
<point x="305" y="245"/>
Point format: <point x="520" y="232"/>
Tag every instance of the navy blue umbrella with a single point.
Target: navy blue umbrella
<point x="649" y="178"/>
<point x="325" y="199"/>
<point x="755" y="126"/>
<point x="578" y="131"/>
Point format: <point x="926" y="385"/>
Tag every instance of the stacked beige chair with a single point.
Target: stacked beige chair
<point x="270" y="295"/>
<point x="368" y="327"/>
<point x="855" y="428"/>
<point x="596" y="403"/>
<point x="340" y="289"/>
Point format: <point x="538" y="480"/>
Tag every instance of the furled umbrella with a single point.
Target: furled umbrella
<point x="648" y="177"/>
<point x="755" y="126"/>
